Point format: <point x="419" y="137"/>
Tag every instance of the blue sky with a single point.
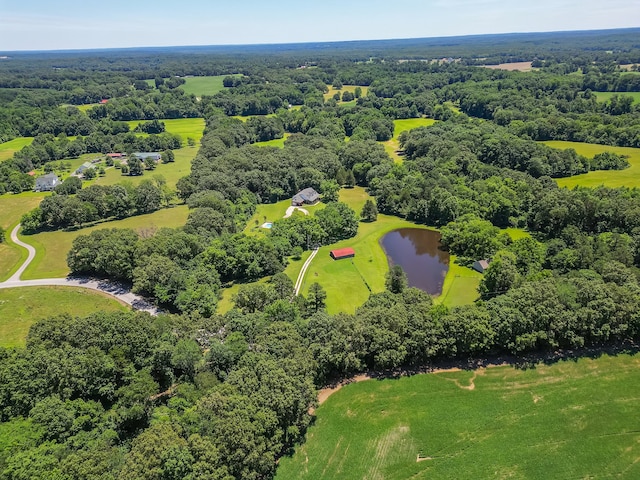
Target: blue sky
<point x="71" y="24"/>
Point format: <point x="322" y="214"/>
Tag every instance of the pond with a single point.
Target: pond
<point x="418" y="252"/>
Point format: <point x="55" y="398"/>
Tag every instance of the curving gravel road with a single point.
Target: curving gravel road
<point x="116" y="290"/>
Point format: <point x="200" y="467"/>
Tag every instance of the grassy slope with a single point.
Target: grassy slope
<point x="21" y="307"/>
<point x="629" y="177"/>
<point x="185" y="127"/>
<point x="278" y="142"/>
<point x="604" y="96"/>
<point x="582" y="420"/>
<point x="391" y="146"/>
<point x="52" y="247"/>
<point x="7" y="149"/>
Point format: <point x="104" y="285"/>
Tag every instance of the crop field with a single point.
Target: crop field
<point x="629" y="177"/>
<point x="200" y="86"/>
<point x="604" y="96"/>
<point x="52" y="247"/>
<point x="7" y="149"/>
<point x="392" y="146"/>
<point x="22" y="307"/>
<point x="575" y="419"/>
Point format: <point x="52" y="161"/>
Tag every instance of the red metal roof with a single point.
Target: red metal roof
<point x="342" y="252"/>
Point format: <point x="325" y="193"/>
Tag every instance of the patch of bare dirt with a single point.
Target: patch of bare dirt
<point x="519" y="66"/>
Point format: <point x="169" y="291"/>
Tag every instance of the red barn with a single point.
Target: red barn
<point x="342" y="253"/>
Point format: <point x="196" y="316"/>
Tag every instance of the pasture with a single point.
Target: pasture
<point x="278" y="142"/>
<point x="574" y="419"/>
<point x="52" y="247"/>
<point x="605" y="96"/>
<point x="393" y="146"/>
<point x="7" y="149"/>
<point x="22" y="307"/>
<point x="200" y="86"/>
<point x="629" y="177"/>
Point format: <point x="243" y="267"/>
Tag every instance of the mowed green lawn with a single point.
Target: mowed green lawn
<point x="21" y="307"/>
<point x="605" y="96"/>
<point x="52" y="247"/>
<point x="7" y="149"/>
<point x="185" y="127"/>
<point x="569" y="420"/>
<point x="200" y="86"/>
<point x="278" y="142"/>
<point x="392" y="146"/>
<point x="12" y="207"/>
<point x="629" y="177"/>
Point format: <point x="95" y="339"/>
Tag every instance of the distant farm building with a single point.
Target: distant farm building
<point x="47" y="182"/>
<point x="144" y="155"/>
<point x="116" y="156"/>
<point x="86" y="165"/>
<point x="342" y="253"/>
<point x="104" y="101"/>
<point x="308" y="196"/>
<point x="480" y="265"/>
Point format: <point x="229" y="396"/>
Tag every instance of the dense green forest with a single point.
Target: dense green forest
<point x="192" y="394"/>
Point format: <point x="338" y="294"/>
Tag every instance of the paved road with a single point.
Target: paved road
<point x="304" y="271"/>
<point x="116" y="290"/>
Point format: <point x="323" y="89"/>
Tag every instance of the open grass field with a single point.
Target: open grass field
<point x="278" y="142"/>
<point x="604" y="96"/>
<point x="185" y="127"/>
<point x="629" y="177"/>
<point x="7" y="149"/>
<point x="172" y="172"/>
<point x="392" y="146"/>
<point x="200" y="86"/>
<point x="21" y="307"/>
<point x="519" y="66"/>
<point x="52" y="247"/>
<point x="568" y="420"/>
<point x="345" y="88"/>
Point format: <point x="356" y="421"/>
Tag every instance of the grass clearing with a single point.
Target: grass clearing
<point x="200" y="86"/>
<point x="393" y="146"/>
<point x="52" y="247"/>
<point x="278" y="142"/>
<point x="571" y="419"/>
<point x="606" y="96"/>
<point x="22" y="307"/>
<point x="629" y="177"/>
<point x="7" y="149"/>
<point x="345" y="88"/>
<point x="185" y="127"/>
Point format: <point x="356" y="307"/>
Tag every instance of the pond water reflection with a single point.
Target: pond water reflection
<point x="417" y="251"/>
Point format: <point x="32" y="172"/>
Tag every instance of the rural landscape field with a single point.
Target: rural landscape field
<point x="361" y="259"/>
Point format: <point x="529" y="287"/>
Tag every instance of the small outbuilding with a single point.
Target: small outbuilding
<point x="480" y="265"/>
<point x="308" y="196"/>
<point x="144" y="155"/>
<point x="341" y="253"/>
<point x="47" y="182"/>
<point x="86" y="165"/>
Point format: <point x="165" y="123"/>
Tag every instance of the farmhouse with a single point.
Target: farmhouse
<point x="307" y="196"/>
<point x="47" y="182"/>
<point x="480" y="265"/>
<point x="341" y="253"/>
<point x="144" y="155"/>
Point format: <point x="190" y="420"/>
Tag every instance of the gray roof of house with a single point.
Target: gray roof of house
<point x="306" y="195"/>
<point x="48" y="179"/>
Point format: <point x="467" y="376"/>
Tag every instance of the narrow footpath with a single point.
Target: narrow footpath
<point x="116" y="290"/>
